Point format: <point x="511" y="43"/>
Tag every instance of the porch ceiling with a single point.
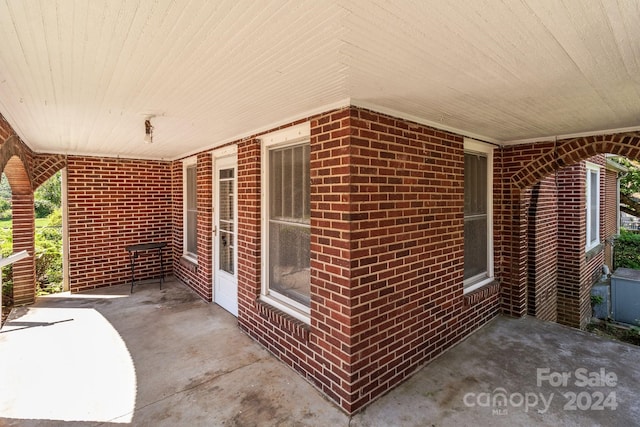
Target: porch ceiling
<point x="80" y="77"/>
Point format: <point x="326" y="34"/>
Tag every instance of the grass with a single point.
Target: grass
<point x="610" y="330"/>
<point x="40" y="223"/>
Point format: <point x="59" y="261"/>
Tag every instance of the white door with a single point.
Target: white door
<point x="225" y="276"/>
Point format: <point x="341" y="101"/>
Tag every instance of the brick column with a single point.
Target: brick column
<point x="249" y="239"/>
<point x="543" y="250"/>
<point x="204" y="196"/>
<point x="513" y="291"/>
<point x="24" y="271"/>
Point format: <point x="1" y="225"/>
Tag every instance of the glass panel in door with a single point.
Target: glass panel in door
<point x="226" y="233"/>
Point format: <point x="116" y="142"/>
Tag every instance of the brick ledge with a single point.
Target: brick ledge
<point x="188" y="264"/>
<point x="283" y="320"/>
<point x="481" y="294"/>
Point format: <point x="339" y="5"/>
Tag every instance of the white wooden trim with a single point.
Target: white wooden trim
<point x="301" y="313"/>
<point x="597" y="168"/>
<point x="229" y="150"/>
<point x="190" y="161"/>
<point x="65" y="229"/>
<point x="290" y="136"/>
<point x="473" y="146"/>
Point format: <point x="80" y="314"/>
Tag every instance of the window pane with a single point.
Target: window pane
<point x="289" y="219"/>
<point x="593" y="206"/>
<point x="475" y="212"/>
<point x="475" y="184"/>
<point x="475" y="247"/>
<point x="191" y="225"/>
<point x="192" y="234"/>
<point x="306" y="184"/>
<point x="226" y="252"/>
<point x="191" y="187"/>
<point x="289" y="184"/>
<point x="226" y="173"/>
<point x="297" y="185"/>
<point x="289" y="260"/>
<point x="227" y="232"/>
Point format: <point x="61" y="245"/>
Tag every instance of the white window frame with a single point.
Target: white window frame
<point x="590" y="242"/>
<point x="477" y="147"/>
<point x="186" y="163"/>
<point x="290" y="136"/>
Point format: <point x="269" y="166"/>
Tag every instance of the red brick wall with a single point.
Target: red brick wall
<point x="577" y="269"/>
<point x="543" y="250"/>
<point x="23" y="239"/>
<point x="513" y="243"/>
<point x="610" y="213"/>
<point x="5" y="129"/>
<point x="407" y="214"/>
<point x="317" y="351"/>
<point x="16" y="160"/>
<point x="571" y="241"/>
<point x="524" y="166"/>
<point x="197" y="275"/>
<point x="114" y="203"/>
<point x="249" y="256"/>
<point x="386" y="255"/>
<point x="595" y="258"/>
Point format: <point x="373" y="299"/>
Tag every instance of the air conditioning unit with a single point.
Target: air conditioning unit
<point x="625" y="296"/>
<point x="602" y="310"/>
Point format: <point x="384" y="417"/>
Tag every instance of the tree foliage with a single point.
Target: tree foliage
<point x="5" y="198"/>
<point x="49" y="255"/>
<point x="627" y="250"/>
<point x="48" y="238"/>
<point x="5" y="188"/>
<point x="630" y="181"/>
<point x="6" y="248"/>
<point x="630" y="187"/>
<point x="48" y="197"/>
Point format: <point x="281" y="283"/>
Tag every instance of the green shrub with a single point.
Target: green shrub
<point x="43" y="208"/>
<point x="6" y="248"/>
<point x="626" y="250"/>
<point x="5" y="209"/>
<point x="48" y="258"/>
<point x="49" y="255"/>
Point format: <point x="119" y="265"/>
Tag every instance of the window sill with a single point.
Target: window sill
<point x="284" y="308"/>
<point x="478" y="285"/>
<point x="592" y="252"/>
<point x="481" y="292"/>
<point x="189" y="263"/>
<point x="284" y="320"/>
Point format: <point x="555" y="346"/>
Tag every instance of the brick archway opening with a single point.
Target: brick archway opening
<point x="547" y="260"/>
<point x="23" y="229"/>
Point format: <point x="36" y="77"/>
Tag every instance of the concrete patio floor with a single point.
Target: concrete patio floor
<point x="167" y="358"/>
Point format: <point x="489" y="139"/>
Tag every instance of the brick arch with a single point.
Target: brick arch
<point x="15" y="161"/>
<point x="46" y="166"/>
<point x="567" y="152"/>
<point x="17" y="176"/>
<point x="525" y="166"/>
<point x="16" y="170"/>
<point x="25" y="172"/>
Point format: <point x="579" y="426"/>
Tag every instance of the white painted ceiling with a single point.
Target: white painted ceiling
<point x="80" y="77"/>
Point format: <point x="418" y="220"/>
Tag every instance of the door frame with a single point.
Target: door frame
<point x="226" y="153"/>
